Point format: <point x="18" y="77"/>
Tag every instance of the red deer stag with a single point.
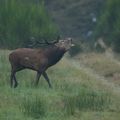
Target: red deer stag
<point x="38" y="59"/>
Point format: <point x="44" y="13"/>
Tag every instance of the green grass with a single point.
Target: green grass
<point x="34" y="107"/>
<point x="76" y="94"/>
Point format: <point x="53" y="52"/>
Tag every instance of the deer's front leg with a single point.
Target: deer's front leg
<point x="47" y="79"/>
<point x="37" y="78"/>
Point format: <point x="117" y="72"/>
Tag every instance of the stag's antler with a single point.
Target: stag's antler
<point x="53" y="42"/>
<point x="45" y="41"/>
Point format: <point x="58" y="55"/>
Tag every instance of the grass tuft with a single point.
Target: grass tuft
<point x="86" y="100"/>
<point x="34" y="107"/>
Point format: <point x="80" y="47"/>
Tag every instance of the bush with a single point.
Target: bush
<point x="109" y="24"/>
<point x="22" y="19"/>
<point x="99" y="49"/>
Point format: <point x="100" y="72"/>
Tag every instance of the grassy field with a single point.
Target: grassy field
<point x="80" y="92"/>
<point x="106" y="65"/>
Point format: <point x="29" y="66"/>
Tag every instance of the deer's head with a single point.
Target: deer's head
<point x="65" y="43"/>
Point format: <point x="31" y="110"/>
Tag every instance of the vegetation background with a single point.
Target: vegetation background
<point x="20" y="20"/>
<point x="86" y="86"/>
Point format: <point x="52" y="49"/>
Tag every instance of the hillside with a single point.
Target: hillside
<point x="76" y="18"/>
<point x="79" y="93"/>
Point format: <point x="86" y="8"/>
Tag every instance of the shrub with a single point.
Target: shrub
<point x="99" y="49"/>
<point x="22" y="19"/>
<point x="109" y="24"/>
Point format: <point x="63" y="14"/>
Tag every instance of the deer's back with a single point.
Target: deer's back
<point x="28" y="58"/>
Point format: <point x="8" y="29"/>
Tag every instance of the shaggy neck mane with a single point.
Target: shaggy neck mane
<point x="54" y="54"/>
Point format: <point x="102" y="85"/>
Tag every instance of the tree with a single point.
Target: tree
<point x="109" y="24"/>
<point x="22" y="19"/>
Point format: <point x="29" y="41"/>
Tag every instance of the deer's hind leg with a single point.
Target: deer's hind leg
<point x="13" y="80"/>
<point x="16" y="83"/>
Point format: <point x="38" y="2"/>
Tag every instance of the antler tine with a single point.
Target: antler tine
<point x="48" y="43"/>
<point x="53" y="42"/>
<point x="37" y="41"/>
<point x="56" y="41"/>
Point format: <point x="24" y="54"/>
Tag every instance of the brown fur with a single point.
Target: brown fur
<point x="36" y="59"/>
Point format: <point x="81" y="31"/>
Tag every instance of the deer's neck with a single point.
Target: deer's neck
<point x="54" y="54"/>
